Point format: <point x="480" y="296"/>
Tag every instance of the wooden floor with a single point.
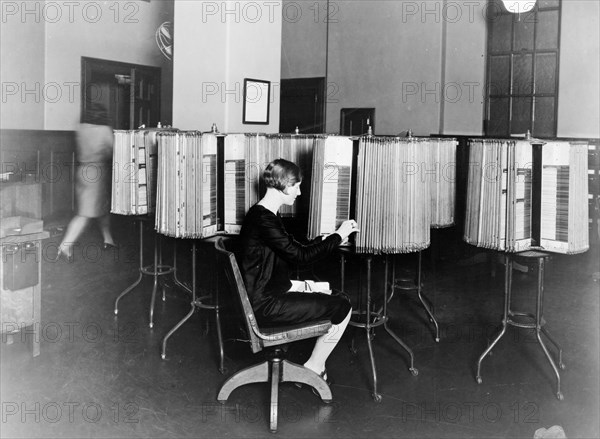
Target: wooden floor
<point x="101" y="375"/>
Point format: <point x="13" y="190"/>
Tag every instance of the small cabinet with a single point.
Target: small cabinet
<point x="20" y="290"/>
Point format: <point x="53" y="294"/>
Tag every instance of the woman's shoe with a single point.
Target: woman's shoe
<point x="108" y="246"/>
<point x="64" y="254"/>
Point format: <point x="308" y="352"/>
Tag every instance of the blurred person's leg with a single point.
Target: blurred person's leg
<point x="74" y="231"/>
<point x="104" y="222"/>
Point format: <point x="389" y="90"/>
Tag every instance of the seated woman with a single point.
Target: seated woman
<point x="267" y="252"/>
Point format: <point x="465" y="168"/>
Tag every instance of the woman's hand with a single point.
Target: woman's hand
<point x="347" y="228"/>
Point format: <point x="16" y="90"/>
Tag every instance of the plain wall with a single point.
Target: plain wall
<point x="421" y="65"/>
<point x="376" y="50"/>
<point x="253" y="53"/>
<point x="217" y="45"/>
<point x="304" y="38"/>
<point x="463" y="81"/>
<point x="381" y="57"/>
<point x="22" y="40"/>
<point x="198" y="68"/>
<point x="53" y="38"/>
<point x="579" y="80"/>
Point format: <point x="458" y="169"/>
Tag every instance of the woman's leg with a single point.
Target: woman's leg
<point x="325" y="345"/>
<point x="296" y="307"/>
<point x="104" y="222"/>
<point x="74" y="231"/>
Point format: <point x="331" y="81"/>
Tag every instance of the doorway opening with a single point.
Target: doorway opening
<point x="130" y="92"/>
<point x="302" y="106"/>
<point x="356" y="121"/>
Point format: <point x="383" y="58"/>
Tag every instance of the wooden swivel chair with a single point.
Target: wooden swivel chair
<point x="274" y="369"/>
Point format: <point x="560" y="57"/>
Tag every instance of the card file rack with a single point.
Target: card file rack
<point x="528" y="195"/>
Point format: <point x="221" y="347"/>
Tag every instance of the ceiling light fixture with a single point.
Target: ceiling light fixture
<point x="519" y="6"/>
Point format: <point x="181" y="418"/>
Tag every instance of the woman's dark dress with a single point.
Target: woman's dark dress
<point x="267" y="252"/>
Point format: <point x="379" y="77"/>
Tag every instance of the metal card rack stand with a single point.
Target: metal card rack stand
<point x="156" y="270"/>
<point x="406" y="283"/>
<point x="198" y="302"/>
<point x="366" y="318"/>
<point x="525" y="320"/>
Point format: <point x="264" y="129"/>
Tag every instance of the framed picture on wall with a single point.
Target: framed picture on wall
<point x="257" y="96"/>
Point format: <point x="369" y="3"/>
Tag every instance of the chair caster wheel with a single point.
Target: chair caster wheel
<point x="163" y="356"/>
<point x="560" y="396"/>
<point x="562" y="366"/>
<point x="437" y="339"/>
<point x="479" y="380"/>
<point x="223" y="371"/>
<point x="151" y="325"/>
<point x="377" y="397"/>
<point x="116" y="311"/>
<point x="414" y="371"/>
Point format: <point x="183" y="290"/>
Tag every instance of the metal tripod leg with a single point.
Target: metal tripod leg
<point x="197" y="302"/>
<point x="163" y="354"/>
<point x="398" y="340"/>
<point x="141" y="267"/>
<point x="507" y="293"/>
<point x="425" y="303"/>
<point x="538" y="328"/>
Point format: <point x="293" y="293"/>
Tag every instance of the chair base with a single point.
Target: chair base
<point x="275" y="370"/>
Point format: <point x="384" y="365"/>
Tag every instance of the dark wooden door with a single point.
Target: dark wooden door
<point x="130" y="92"/>
<point x="356" y="121"/>
<point x="146" y="102"/>
<point x="302" y="105"/>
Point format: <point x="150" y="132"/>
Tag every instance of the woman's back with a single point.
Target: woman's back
<point x="94" y="143"/>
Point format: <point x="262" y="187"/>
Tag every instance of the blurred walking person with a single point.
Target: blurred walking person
<point x="93" y="174"/>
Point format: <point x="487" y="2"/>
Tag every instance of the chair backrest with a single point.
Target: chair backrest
<point x="226" y="259"/>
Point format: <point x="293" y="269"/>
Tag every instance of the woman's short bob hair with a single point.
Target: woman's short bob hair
<point x="281" y="173"/>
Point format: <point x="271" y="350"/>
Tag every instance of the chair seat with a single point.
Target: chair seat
<point x="275" y="336"/>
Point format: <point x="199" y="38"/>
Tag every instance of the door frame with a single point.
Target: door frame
<point x="346" y="112"/>
<point x="90" y="65"/>
<point x="313" y="83"/>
